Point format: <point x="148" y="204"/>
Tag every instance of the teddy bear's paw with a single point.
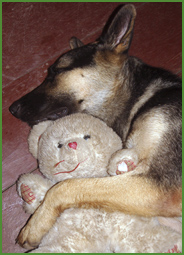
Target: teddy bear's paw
<point x="32" y="188"/>
<point x="175" y="249"/>
<point x="27" y="194"/>
<point x="122" y="161"/>
<point x="124" y="166"/>
<point x="30" y="201"/>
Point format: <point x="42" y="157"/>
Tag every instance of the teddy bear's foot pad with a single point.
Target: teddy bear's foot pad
<point x="27" y="194"/>
<point x="126" y="165"/>
<point x="174" y="250"/>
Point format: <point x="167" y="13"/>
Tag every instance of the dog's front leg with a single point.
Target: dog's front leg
<point x="130" y="193"/>
<point x="37" y="226"/>
<point x="92" y="192"/>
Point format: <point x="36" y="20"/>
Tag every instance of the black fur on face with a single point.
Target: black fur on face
<point x="79" y="57"/>
<point x="39" y="105"/>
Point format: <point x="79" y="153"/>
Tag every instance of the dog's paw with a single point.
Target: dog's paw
<point x="122" y="162"/>
<point x="32" y="233"/>
<point x="38" y="225"/>
<point x="27" y="239"/>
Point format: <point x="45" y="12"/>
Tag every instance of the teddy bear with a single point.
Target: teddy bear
<point x="80" y="146"/>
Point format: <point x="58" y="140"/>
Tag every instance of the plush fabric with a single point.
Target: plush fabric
<point x="80" y="146"/>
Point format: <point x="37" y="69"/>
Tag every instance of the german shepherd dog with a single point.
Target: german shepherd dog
<point x="141" y="103"/>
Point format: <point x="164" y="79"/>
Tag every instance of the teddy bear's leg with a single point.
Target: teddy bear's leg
<point x="77" y="231"/>
<point x="40" y="250"/>
<point x="123" y="161"/>
<point x="32" y="188"/>
<point x="174" y="223"/>
<point x="145" y="235"/>
<point x="71" y="243"/>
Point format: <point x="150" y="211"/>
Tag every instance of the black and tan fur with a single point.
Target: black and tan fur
<point x="141" y="103"/>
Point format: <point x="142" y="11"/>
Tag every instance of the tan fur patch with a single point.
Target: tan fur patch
<point x="147" y="133"/>
<point x="110" y="59"/>
<point x="149" y="92"/>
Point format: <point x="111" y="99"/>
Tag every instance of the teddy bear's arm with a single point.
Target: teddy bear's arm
<point x="32" y="188"/>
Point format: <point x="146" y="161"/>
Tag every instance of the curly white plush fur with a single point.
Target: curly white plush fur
<point x="79" y="146"/>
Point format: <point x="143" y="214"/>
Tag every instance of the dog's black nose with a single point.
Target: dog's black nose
<point x="15" y="109"/>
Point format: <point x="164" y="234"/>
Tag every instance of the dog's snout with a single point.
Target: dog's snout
<point x="73" y="145"/>
<point x="15" y="109"/>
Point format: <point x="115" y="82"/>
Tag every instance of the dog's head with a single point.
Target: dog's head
<point x="83" y="79"/>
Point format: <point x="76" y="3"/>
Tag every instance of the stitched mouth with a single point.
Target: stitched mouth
<point x="63" y="172"/>
<point x="68" y="171"/>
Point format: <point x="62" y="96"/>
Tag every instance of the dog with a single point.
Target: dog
<point x="141" y="103"/>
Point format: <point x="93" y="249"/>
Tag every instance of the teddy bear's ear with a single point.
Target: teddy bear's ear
<point x="35" y="135"/>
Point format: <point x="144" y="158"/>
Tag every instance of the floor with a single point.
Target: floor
<point x="34" y="35"/>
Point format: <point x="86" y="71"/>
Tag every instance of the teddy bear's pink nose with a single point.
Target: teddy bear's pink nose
<point x="73" y="145"/>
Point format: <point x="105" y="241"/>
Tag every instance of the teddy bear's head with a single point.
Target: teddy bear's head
<point x="75" y="146"/>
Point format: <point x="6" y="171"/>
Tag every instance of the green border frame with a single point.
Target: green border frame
<point x="1" y="1"/>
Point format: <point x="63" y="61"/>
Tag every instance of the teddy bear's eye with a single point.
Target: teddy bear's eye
<point x="60" y="145"/>
<point x="86" y="137"/>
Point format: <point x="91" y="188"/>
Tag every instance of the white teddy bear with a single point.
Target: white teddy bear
<point x="80" y="146"/>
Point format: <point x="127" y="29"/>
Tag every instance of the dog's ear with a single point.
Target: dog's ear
<point x="35" y="135"/>
<point x="75" y="43"/>
<point x="118" y="34"/>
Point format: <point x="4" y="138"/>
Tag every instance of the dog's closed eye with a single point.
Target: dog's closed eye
<point x="80" y="101"/>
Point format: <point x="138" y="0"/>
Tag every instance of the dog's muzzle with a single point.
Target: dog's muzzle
<point x="15" y="109"/>
<point x="36" y="111"/>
